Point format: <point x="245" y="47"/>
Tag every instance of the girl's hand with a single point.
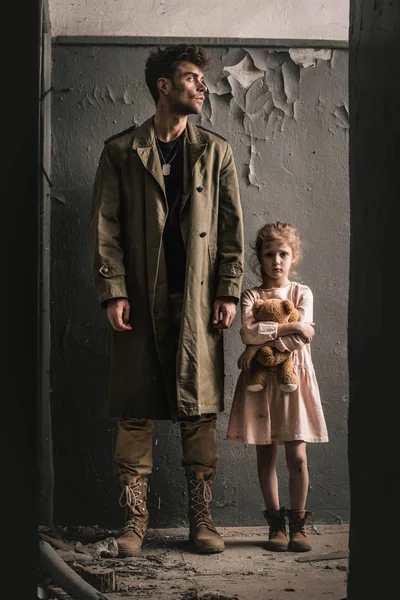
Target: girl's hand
<point x="306" y="331"/>
<point x="244" y="360"/>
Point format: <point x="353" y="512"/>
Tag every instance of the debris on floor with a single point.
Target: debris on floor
<point x="107" y="548"/>
<point x="169" y="568"/>
<point x="195" y="595"/>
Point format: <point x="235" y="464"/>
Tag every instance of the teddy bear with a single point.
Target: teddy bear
<point x="267" y="357"/>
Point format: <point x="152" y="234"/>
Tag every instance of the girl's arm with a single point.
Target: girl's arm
<point x="293" y="336"/>
<point x="255" y="332"/>
<point x="244" y="360"/>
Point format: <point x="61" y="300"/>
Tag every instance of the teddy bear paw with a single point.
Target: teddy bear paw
<point x="255" y="387"/>
<point x="288" y="387"/>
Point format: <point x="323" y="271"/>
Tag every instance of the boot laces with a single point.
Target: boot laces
<point x="298" y="528"/>
<point x="134" y="524"/>
<point x="201" y="498"/>
<point x="276" y="527"/>
<point x="130" y="499"/>
<point x="276" y="523"/>
<point x="130" y="495"/>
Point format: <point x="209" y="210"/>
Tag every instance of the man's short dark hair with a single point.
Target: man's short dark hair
<point x="164" y="62"/>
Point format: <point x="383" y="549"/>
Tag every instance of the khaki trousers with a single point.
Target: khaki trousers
<point x="134" y="446"/>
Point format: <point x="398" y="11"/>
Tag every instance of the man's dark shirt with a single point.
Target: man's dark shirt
<point x="174" y="249"/>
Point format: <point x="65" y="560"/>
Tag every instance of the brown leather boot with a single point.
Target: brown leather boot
<point x="299" y="542"/>
<point x="202" y="532"/>
<point x="278" y="540"/>
<point x="133" y="498"/>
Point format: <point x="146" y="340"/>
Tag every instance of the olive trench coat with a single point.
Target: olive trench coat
<point x="148" y="379"/>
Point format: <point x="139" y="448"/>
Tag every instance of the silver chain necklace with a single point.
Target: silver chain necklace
<point x="166" y="166"/>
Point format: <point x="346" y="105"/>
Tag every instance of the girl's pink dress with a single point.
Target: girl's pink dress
<point x="272" y="415"/>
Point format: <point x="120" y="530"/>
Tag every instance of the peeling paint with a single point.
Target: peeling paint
<point x="252" y="176"/>
<point x="307" y="57"/>
<point x="342" y="114"/>
<point x="221" y="88"/>
<point x="264" y="88"/>
<point x="335" y="116"/>
<point x="245" y="72"/>
<point x="257" y="96"/>
<point x="291" y="81"/>
<point x="128" y="96"/>
<point x="259" y="57"/>
<point x="265" y="97"/>
<point x="339" y="61"/>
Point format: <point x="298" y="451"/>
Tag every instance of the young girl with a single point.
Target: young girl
<point x="272" y="417"/>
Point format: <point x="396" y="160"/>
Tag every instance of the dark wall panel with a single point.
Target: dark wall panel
<point x="373" y="447"/>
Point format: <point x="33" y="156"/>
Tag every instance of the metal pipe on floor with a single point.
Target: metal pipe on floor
<point x="64" y="576"/>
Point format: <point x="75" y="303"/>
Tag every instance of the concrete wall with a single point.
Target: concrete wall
<point x="285" y="19"/>
<point x="284" y="110"/>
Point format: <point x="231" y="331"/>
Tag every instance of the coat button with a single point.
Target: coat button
<point x="200" y="188"/>
<point x="202" y="234"/>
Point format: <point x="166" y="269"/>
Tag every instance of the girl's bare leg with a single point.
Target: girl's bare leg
<point x="296" y="460"/>
<point x="266" y="467"/>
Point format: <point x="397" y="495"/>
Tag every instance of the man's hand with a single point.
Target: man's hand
<point x="224" y="312"/>
<point x="118" y="314"/>
<point x="244" y="360"/>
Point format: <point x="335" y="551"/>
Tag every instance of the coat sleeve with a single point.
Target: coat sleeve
<point x="255" y="332"/>
<point x="230" y="231"/>
<point x="305" y="308"/>
<point x="108" y="270"/>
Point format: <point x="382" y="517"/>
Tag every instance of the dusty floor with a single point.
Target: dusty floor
<point x="168" y="568"/>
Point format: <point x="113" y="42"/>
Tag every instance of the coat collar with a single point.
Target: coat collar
<point x="197" y="143"/>
<point x="144" y="142"/>
<point x="144" y="135"/>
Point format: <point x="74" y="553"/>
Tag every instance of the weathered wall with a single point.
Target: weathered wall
<point x="284" y="19"/>
<point x="285" y="113"/>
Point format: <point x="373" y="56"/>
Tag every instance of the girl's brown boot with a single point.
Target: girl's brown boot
<point x="299" y="541"/>
<point x="278" y="540"/>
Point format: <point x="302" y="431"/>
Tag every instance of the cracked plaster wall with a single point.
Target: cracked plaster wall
<point x="279" y="19"/>
<point x="285" y="113"/>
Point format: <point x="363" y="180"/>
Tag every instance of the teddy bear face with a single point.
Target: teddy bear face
<point x="274" y="309"/>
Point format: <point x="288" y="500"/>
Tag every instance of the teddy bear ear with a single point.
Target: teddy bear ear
<point x="257" y="305"/>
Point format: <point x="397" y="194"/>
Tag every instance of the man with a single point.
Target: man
<point x="168" y="267"/>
